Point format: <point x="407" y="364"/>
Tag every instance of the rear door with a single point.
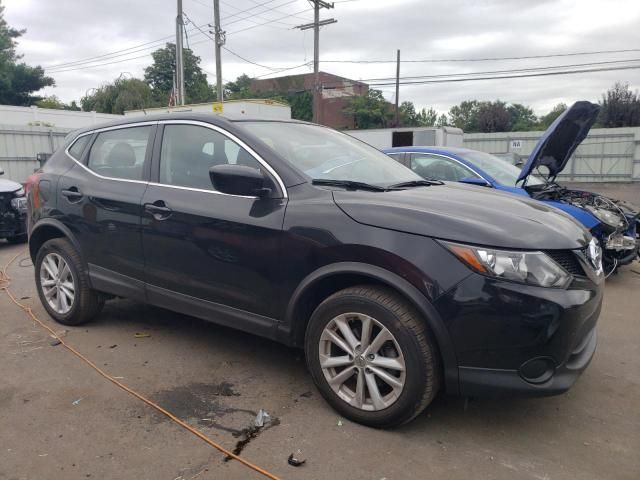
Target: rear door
<point x="203" y="248"/>
<point x="100" y="199"/>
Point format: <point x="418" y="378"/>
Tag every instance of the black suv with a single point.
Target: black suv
<point x="395" y="286"/>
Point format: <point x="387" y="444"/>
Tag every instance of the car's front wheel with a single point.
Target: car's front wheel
<point x="63" y="284"/>
<point x="371" y="356"/>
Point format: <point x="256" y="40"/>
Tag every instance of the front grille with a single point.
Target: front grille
<point x="567" y="260"/>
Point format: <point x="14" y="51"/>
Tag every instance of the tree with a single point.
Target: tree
<point x="409" y="117"/>
<point x="619" y="107"/>
<point x="494" y="117"/>
<point x="522" y="117"/>
<point x="123" y="94"/>
<point x="159" y="76"/>
<point x="546" y="120"/>
<point x="241" y="88"/>
<point x="17" y="80"/>
<point x="442" y="121"/>
<point x="465" y="116"/>
<point x="370" y="110"/>
<point x="54" y="102"/>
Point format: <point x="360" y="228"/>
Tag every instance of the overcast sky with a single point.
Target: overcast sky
<point x="63" y="31"/>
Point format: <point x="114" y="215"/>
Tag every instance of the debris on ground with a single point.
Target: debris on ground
<point x="141" y="335"/>
<point x="113" y="346"/>
<point x="295" y="462"/>
<point x="55" y="342"/>
<point x="262" y="418"/>
<point x="339" y="422"/>
<point x="308" y="394"/>
<point x="76" y="402"/>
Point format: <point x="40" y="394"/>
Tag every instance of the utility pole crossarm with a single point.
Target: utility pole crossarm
<point x="317" y="23"/>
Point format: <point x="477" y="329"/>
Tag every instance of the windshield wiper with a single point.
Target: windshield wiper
<point x="416" y="183"/>
<point x="350" y="184"/>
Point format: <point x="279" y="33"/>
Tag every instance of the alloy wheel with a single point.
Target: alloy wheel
<point x="57" y="283"/>
<point x="362" y="361"/>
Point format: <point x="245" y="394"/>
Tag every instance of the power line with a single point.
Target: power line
<point x="139" y="48"/>
<point x="488" y="59"/>
<point x="542" y="74"/>
<point x="491" y="72"/>
<point x="271" y="21"/>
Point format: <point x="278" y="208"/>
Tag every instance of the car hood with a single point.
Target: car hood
<point x="8" y="185"/>
<point x="466" y="214"/>
<point x="560" y="140"/>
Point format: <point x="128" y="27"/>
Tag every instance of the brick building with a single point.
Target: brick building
<point x="336" y="92"/>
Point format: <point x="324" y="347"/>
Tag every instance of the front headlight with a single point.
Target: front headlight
<point x="19" y="193"/>
<point x="534" y="268"/>
<point x="605" y="216"/>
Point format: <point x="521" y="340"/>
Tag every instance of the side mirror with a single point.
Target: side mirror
<point x="1" y="171"/>
<point x="481" y="182"/>
<point x="238" y="180"/>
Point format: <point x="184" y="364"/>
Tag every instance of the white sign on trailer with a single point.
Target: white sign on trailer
<point x="516" y="144"/>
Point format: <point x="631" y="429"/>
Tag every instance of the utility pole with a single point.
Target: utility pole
<point x="179" y="59"/>
<point x="317" y="94"/>
<point x="220" y="39"/>
<point x="397" y="89"/>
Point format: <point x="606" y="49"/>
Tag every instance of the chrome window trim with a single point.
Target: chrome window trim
<point x="448" y="158"/>
<point x="231" y="136"/>
<point x="252" y="152"/>
<point x="106" y="129"/>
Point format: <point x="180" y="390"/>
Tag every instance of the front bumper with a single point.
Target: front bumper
<point x="12" y="224"/>
<point x="518" y="339"/>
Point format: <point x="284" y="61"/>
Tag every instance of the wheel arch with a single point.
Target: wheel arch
<point x="47" y="229"/>
<point x="331" y="278"/>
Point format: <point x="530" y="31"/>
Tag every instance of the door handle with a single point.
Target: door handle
<point x="158" y="209"/>
<point x="72" y="194"/>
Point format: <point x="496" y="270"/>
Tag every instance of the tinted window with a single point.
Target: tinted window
<point x="439" y="168"/>
<point x="323" y="153"/>
<point x="120" y="153"/>
<point x="78" y="147"/>
<point x="188" y="151"/>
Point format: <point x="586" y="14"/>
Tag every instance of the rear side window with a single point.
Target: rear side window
<point x="78" y="147"/>
<point x="120" y="153"/>
<point x="439" y="168"/>
<point x="188" y="151"/>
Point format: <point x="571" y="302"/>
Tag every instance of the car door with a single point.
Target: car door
<point x="439" y="167"/>
<point x="100" y="201"/>
<point x="205" y="249"/>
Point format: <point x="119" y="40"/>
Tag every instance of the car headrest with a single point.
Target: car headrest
<point x="121" y="155"/>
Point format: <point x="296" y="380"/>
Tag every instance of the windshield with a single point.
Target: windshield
<point x="501" y="170"/>
<point x="323" y="153"/>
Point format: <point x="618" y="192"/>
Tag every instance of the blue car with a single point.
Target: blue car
<point x="616" y="224"/>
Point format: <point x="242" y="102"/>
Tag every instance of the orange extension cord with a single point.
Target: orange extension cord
<point x="5" y="280"/>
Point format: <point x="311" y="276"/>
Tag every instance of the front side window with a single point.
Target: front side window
<point x="189" y="151"/>
<point x="323" y="153"/>
<point x="437" y="167"/>
<point x="120" y="153"/>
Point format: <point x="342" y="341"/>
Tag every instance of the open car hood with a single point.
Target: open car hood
<point x="7" y="186"/>
<point x="560" y="140"/>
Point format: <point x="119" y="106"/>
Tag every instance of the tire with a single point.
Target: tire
<point x="85" y="304"/>
<point x="410" y="347"/>
<point x="17" y="239"/>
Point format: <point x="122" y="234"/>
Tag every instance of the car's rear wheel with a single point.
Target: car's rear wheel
<point x="63" y="284"/>
<point x="371" y="356"/>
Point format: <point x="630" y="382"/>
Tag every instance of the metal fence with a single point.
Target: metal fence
<point x="20" y="145"/>
<point x="606" y="155"/>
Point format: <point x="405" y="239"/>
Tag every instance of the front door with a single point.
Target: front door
<point x="207" y="247"/>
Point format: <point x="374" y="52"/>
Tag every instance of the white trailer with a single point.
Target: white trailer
<point x="407" y="137"/>
<point x="258" y="108"/>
